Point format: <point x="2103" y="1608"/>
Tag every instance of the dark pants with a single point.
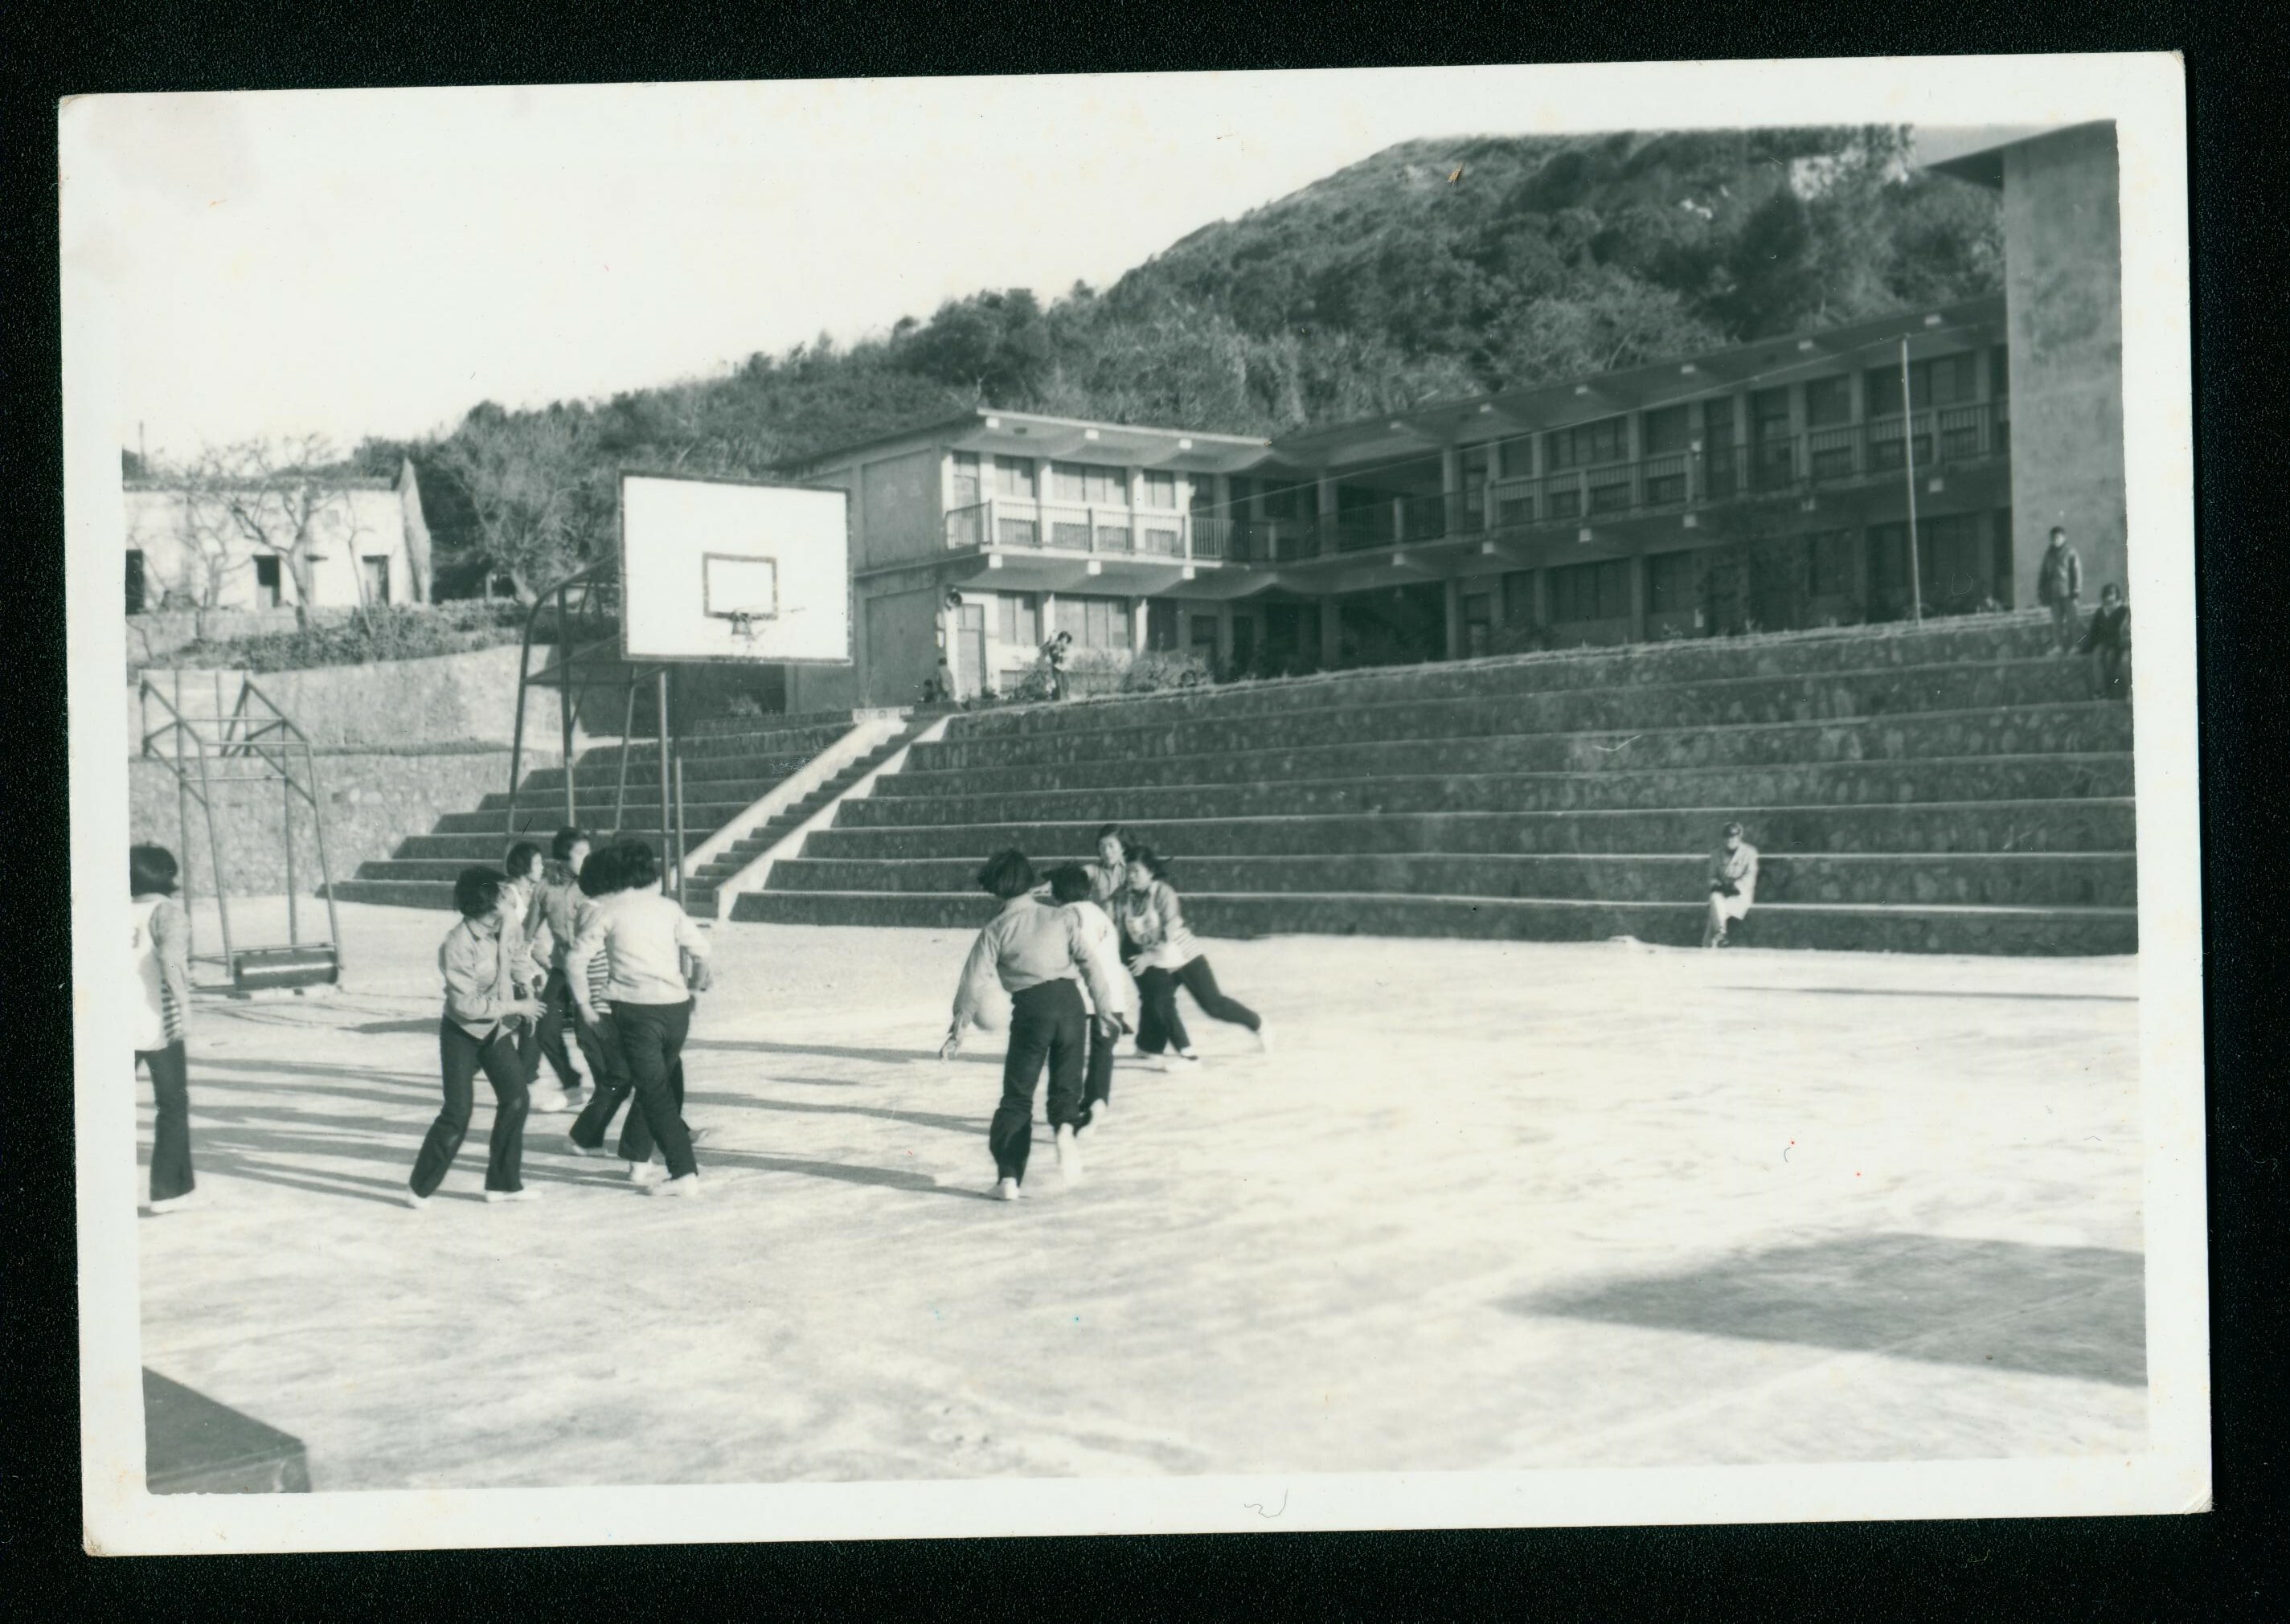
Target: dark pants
<point x="1160" y="1026"/>
<point x="460" y="1057"/>
<point x="2109" y="670"/>
<point x="651" y="1038"/>
<point x="1047" y="1023"/>
<point x="556" y="1014"/>
<point x="1097" y="1078"/>
<point x="2065" y="625"/>
<point x="170" y="1139"/>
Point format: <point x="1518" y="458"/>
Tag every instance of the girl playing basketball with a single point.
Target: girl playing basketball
<point x="1167" y="959"/>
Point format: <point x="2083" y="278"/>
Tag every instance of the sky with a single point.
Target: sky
<point x="376" y="262"/>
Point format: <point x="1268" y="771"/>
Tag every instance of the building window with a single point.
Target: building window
<point x="1160" y="489"/>
<point x="1514" y="459"/>
<point x="967" y="492"/>
<point x="1946" y="381"/>
<point x="134" y="580"/>
<point x="1673" y="583"/>
<point x="1720" y="474"/>
<point x="1016" y="621"/>
<point x="1479" y="622"/>
<point x="1091" y="483"/>
<point x="1829" y="564"/>
<point x="2000" y="373"/>
<point x="1014" y="476"/>
<point x="1954" y="380"/>
<point x="1591" y="592"/>
<point x="1204" y="637"/>
<point x="1827" y="401"/>
<point x="1519" y="597"/>
<point x="1095" y="622"/>
<point x="268" y="592"/>
<point x="376" y="569"/>
<point x="1161" y="626"/>
<point x="1666" y="430"/>
<point x="1588" y="445"/>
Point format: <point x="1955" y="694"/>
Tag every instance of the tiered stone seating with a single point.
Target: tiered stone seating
<point x="725" y="773"/>
<point x="1953" y="788"/>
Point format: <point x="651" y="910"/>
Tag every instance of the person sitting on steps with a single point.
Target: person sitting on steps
<point x="2107" y="639"/>
<point x="1733" y="884"/>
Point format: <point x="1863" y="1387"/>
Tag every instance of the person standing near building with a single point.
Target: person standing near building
<point x="657" y="959"/>
<point x="484" y="967"/>
<point x="1053" y="661"/>
<point x="161" y="1017"/>
<point x="2107" y="640"/>
<point x="1036" y="950"/>
<point x="1733" y="884"/>
<point x="2059" y="582"/>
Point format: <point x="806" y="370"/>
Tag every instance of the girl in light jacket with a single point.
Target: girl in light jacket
<point x="1167" y="957"/>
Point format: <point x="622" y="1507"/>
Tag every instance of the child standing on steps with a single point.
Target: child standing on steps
<point x="483" y="962"/>
<point x="1035" y="949"/>
<point x="160" y="945"/>
<point x="1070" y="888"/>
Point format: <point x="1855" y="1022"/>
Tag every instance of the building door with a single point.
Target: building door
<point x="1244" y="642"/>
<point x="970" y="663"/>
<point x="267" y="589"/>
<point x="134" y="580"/>
<point x="1160" y="626"/>
<point x="376" y="569"/>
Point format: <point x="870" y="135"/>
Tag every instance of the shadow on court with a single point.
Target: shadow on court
<point x="920" y="1119"/>
<point x="2078" y="1311"/>
<point x="827" y="1051"/>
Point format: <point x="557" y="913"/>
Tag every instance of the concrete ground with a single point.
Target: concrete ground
<point x="1487" y="1205"/>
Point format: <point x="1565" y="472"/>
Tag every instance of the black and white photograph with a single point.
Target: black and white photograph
<point x="1385" y="798"/>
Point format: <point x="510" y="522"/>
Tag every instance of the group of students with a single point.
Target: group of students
<point x="1113" y="926"/>
<point x="624" y="963"/>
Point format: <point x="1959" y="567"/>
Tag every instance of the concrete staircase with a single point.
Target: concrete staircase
<point x="725" y="773"/>
<point x="700" y="892"/>
<point x="1952" y="788"/>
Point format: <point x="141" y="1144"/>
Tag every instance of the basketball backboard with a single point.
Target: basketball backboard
<point x="719" y="569"/>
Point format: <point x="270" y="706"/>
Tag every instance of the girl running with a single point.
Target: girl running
<point x="1035" y="949"/>
<point x="1167" y="957"/>
<point x="161" y="1017"/>
<point x="484" y="967"/>
<point x="559" y="903"/>
<point x="522" y="912"/>
<point x="657" y="958"/>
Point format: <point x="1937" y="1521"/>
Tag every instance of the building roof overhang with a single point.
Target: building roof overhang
<point x="1976" y="153"/>
<point x="988" y="430"/>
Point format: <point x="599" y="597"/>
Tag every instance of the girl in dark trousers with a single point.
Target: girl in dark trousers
<point x="559" y="901"/>
<point x="600" y="877"/>
<point x="485" y="966"/>
<point x="657" y="959"/>
<point x="1167" y="957"/>
<point x="1034" y="948"/>
<point x="161" y="1017"/>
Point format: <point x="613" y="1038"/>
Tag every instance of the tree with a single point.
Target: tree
<point x="280" y="498"/>
<point x="524" y="476"/>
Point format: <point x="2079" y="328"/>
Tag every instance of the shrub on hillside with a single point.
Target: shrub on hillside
<point x="398" y="632"/>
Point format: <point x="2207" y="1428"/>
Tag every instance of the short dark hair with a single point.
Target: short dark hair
<point x="1007" y="874"/>
<point x="1154" y="863"/>
<point x="150" y="871"/>
<point x="519" y="861"/>
<point x="2111" y="587"/>
<point x="1733" y="829"/>
<point x="637" y="863"/>
<point x="1070" y="884"/>
<point x="2059" y="530"/>
<point x="477" y="892"/>
<point x="567" y="838"/>
<point x="1122" y="833"/>
<point x="600" y="875"/>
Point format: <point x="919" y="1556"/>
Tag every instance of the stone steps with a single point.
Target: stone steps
<point x="2053" y="777"/>
<point x="2000" y="826"/>
<point x="2051" y="879"/>
<point x="1889" y="929"/>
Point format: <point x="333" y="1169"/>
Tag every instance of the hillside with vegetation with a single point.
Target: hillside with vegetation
<point x="1431" y="270"/>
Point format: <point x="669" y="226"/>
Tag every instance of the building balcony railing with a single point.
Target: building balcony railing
<point x="1018" y="522"/>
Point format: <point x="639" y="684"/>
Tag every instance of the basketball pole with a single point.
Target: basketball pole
<point x="667" y="829"/>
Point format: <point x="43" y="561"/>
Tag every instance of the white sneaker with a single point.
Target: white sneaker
<point x="1069" y="1154"/>
<point x="420" y="1204"/>
<point x="1187" y="1061"/>
<point x="687" y="1185"/>
<point x="173" y="1203"/>
<point x="578" y="1149"/>
<point x="700" y="1136"/>
<point x="523" y="1195"/>
<point x="551" y="1103"/>
<point x="646" y="1172"/>
<point x="1264" y="1038"/>
<point x="1005" y="1189"/>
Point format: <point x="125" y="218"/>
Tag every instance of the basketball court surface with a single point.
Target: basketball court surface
<point x="1487" y="1205"/>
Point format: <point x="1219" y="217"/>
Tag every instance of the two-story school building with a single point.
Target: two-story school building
<point x="1763" y="485"/>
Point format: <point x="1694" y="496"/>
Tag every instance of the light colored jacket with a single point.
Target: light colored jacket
<point x="1025" y="945"/>
<point x="2059" y="578"/>
<point x="1738" y="868"/>
<point x="1156" y="922"/>
<point x="645" y="937"/>
<point x="561" y="902"/>
<point x="1104" y="945"/>
<point x="162" y="959"/>
<point x="482" y="971"/>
